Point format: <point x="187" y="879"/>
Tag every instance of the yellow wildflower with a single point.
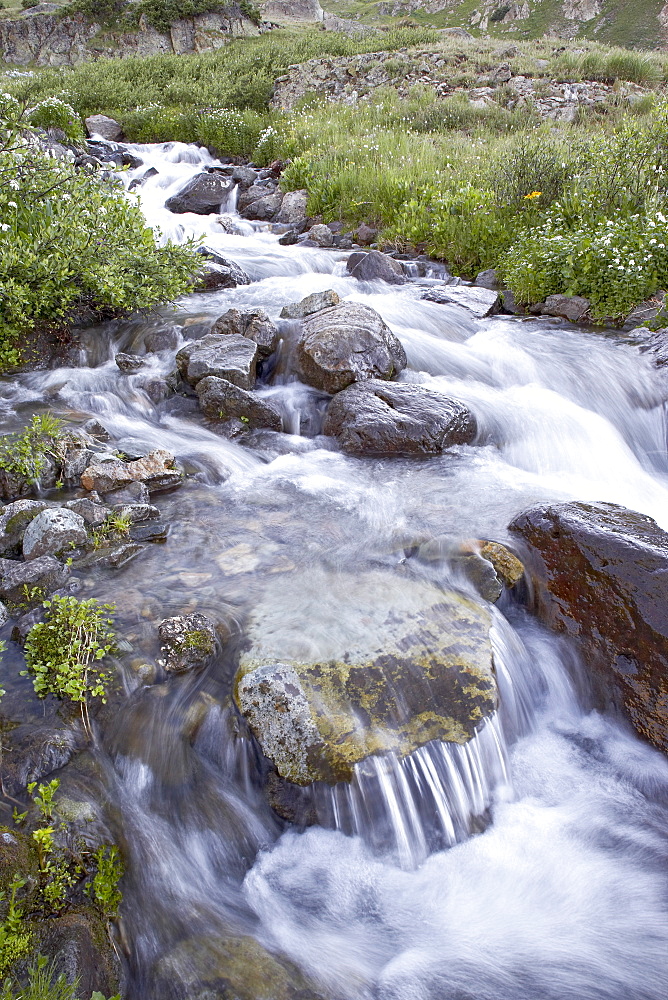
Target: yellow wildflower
<point x="534" y="194"/>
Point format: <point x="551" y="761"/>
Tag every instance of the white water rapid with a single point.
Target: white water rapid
<point x="530" y="864"/>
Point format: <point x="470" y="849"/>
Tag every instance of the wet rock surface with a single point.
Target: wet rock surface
<point x="347" y="343"/>
<point x="222" y="400"/>
<point x="480" y="301"/>
<point x="230" y="357"/>
<point x="188" y="642"/>
<point x="601" y="576"/>
<point x="14" y="519"/>
<point x="381" y="418"/>
<point x="155" y="472"/>
<point x="45" y="572"/>
<point x="375" y="266"/>
<point x="254" y="324"/>
<point x="202" y="195"/>
<point x="317" y="689"/>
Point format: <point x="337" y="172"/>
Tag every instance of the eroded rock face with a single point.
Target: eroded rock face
<point x="345" y="344"/>
<point x="601" y="576"/>
<point x="386" y="663"/>
<point x="381" y="418"/>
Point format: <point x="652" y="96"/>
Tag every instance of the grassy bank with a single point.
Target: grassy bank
<point x="576" y="208"/>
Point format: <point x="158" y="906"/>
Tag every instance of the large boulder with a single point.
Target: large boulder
<point x="337" y="667"/>
<point x="226" y="356"/>
<point x="311" y="304"/>
<point x="264" y="209"/>
<point x="108" y="128"/>
<point x="388" y="418"/>
<point x="345" y="344"/>
<point x="203" y="194"/>
<point x="222" y="400"/>
<point x="52" y="531"/>
<point x="601" y="576"/>
<point x="572" y="307"/>
<point x="372" y="265"/>
<point x="293" y="207"/>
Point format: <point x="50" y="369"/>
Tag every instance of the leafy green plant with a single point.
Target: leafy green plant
<point x="25" y="455"/>
<point x="58" y="871"/>
<point x="64" y="653"/>
<point x="45" y="983"/>
<point x="44" y="797"/>
<point x="104" y="887"/>
<point x="112" y="529"/>
<point x="51" y="112"/>
<point x="15" y="939"/>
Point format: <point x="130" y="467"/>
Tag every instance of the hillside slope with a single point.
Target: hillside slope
<point x="631" y="23"/>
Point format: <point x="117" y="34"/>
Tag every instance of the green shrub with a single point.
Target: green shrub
<point x="64" y="652"/>
<point x="70" y="241"/>
<point x="54" y="113"/>
<point x="25" y="455"/>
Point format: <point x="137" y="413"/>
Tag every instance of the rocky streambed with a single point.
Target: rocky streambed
<point x="389" y="577"/>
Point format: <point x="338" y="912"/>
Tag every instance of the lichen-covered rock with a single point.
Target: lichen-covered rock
<point x="372" y="265"/>
<point x="14" y="518"/>
<point x="188" y="642"/>
<point x="345" y="344"/>
<point x="293" y="207"/>
<point x="202" y="194"/>
<point x="222" y="400"/>
<point x="52" y="531"/>
<point x="155" y="471"/>
<point x="390" y="418"/>
<point x="600" y="575"/>
<point x="46" y="573"/>
<point x="225" y="356"/>
<point x="311" y="304"/>
<point x="384" y="663"/>
<point x="506" y="565"/>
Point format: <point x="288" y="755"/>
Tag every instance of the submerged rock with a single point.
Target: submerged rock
<point x="600" y="573"/>
<point x="188" y="642"/>
<point x="347" y="343"/>
<point x="381" y="418"/>
<point x="230" y="357"/>
<point x="385" y="663"/>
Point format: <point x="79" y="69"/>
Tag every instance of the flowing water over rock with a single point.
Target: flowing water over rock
<point x="526" y="864"/>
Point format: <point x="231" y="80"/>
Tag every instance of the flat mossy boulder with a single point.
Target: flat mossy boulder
<point x="340" y="666"/>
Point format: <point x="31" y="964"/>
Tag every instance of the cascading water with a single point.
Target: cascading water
<point x="529" y="864"/>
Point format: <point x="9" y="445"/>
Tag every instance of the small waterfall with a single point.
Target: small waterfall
<point x="229" y="206"/>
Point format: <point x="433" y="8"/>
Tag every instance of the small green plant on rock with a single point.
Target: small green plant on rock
<point x="25" y="455"/>
<point x="113" y="529"/>
<point x="44" y="983"/>
<point x="15" y="939"/>
<point x="104" y="887"/>
<point x="64" y="653"/>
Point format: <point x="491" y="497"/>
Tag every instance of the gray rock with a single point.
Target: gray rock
<point x="203" y="195"/>
<point x="96" y="429"/>
<point x="222" y="400"/>
<point x="134" y="492"/>
<point x="375" y="266"/>
<point x="221" y="275"/>
<point x="386" y="663"/>
<point x="108" y="128"/>
<point x="390" y="418"/>
<point x="93" y="513"/>
<point x="129" y="363"/>
<point x="45" y="572"/>
<point x="167" y="338"/>
<point x="52" y="531"/>
<point x="253" y="324"/>
<point x="73" y="454"/>
<point x="322" y="236"/>
<point x="4" y="615"/>
<point x="366" y="234"/>
<point x="244" y="176"/>
<point x="293" y="207"/>
<point x="226" y="356"/>
<point x="509" y="305"/>
<point x="155" y="471"/>
<point x="149" y="531"/>
<point x="136" y="512"/>
<point x="481" y="302"/>
<point x="487" y="279"/>
<point x="311" y="304"/>
<point x="264" y="209"/>
<point x="188" y="642"/>
<point x="347" y="343"/>
<point x="572" y="307"/>
<point x="289" y="239"/>
<point x="14" y="518"/>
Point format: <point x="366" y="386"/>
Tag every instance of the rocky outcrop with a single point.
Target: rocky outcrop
<point x="347" y="343"/>
<point x="386" y="663"/>
<point x="52" y="40"/>
<point x="388" y="418"/>
<point x="601" y="576"/>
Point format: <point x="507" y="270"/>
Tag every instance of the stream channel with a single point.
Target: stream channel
<point x="530" y="864"/>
